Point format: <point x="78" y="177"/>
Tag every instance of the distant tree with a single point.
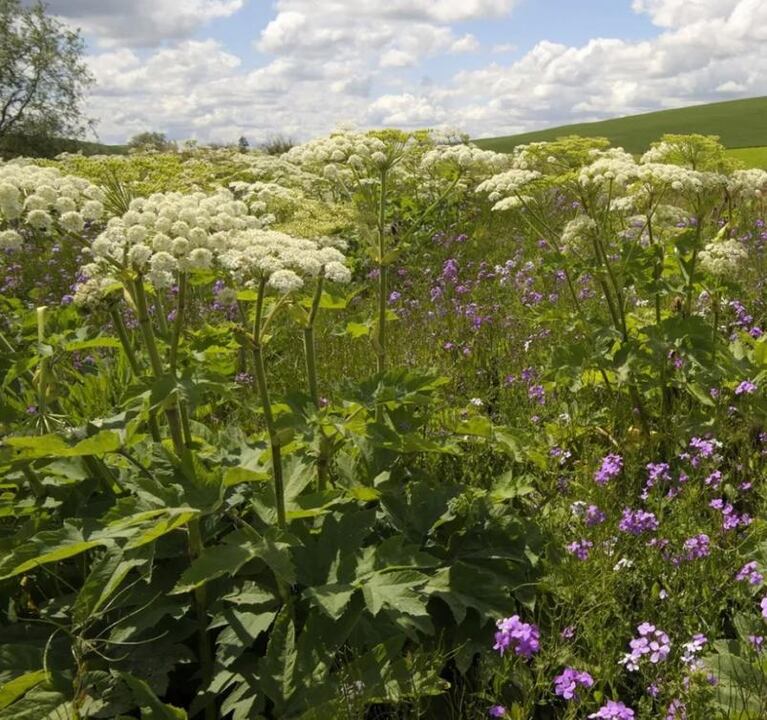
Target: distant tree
<point x="42" y="75"/>
<point x="151" y="141"/>
<point x="243" y="144"/>
<point x="276" y="144"/>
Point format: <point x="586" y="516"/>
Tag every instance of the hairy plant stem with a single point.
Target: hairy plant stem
<point x="310" y="353"/>
<point x="693" y="263"/>
<point x="194" y="536"/>
<point x="266" y="406"/>
<point x="145" y="323"/>
<point x="42" y="376"/>
<point x="122" y="334"/>
<point x="382" y="289"/>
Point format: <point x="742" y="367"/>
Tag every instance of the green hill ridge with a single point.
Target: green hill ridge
<point x="738" y="123"/>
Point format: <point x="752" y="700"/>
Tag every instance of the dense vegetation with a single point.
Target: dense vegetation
<point x="384" y="427"/>
<point x="738" y="123"/>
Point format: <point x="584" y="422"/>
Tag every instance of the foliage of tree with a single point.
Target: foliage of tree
<point x="42" y="75"/>
<point x="151" y="140"/>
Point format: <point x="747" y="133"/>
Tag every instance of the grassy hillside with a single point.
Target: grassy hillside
<point x="739" y="124"/>
<point x="751" y="156"/>
<point x="31" y="146"/>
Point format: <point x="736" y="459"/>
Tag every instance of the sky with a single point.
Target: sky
<point x="213" y="70"/>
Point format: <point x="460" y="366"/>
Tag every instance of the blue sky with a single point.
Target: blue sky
<point x="215" y="69"/>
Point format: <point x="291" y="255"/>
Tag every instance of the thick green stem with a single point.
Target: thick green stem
<point x="266" y="405"/>
<point x="693" y="263"/>
<point x="182" y="450"/>
<point x="122" y="334"/>
<point x="382" y="289"/>
<point x="178" y="322"/>
<point x="42" y="376"/>
<point x="310" y="353"/>
<point x="715" y="330"/>
<point x="171" y="413"/>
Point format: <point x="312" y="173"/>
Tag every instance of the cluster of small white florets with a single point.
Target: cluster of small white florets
<point x="283" y="260"/>
<point x="354" y="150"/>
<point x="614" y="167"/>
<point x="448" y="136"/>
<point x="723" y="259"/>
<point x="659" y="153"/>
<point x="41" y="198"/>
<point x="527" y="157"/>
<point x="264" y="198"/>
<point x="654" y="176"/>
<point x="464" y="159"/>
<point x="278" y="169"/>
<point x="504" y="189"/>
<point x="748" y="184"/>
<point x="577" y="232"/>
<point x="169" y="232"/>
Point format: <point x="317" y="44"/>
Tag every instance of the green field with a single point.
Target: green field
<point x="750" y="156"/>
<point x="739" y="124"/>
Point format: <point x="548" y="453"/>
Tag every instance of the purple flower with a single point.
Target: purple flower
<point x="537" y="393"/>
<point x="611" y="467"/>
<point x="568" y="633"/>
<point x="676" y="710"/>
<point x="691" y="650"/>
<point x="497" y="711"/>
<point x="613" y="710"/>
<point x="697" y="547"/>
<point x="650" y="642"/>
<point x="523" y="638"/>
<point x="764" y="607"/>
<point x="749" y="572"/>
<point x="745" y="388"/>
<point x="580" y="548"/>
<point x="636" y="522"/>
<point x="566" y="684"/>
<point x="594" y="516"/>
<point x="757" y="641"/>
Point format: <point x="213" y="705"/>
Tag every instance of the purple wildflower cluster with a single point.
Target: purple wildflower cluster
<point x="691" y="651"/>
<point x="731" y="520"/>
<point x="566" y="684"/>
<point x="613" y="710"/>
<point x="697" y="547"/>
<point x="749" y="572"/>
<point x="610" y="468"/>
<point x="651" y="643"/>
<point x="523" y="638"/>
<point x="746" y="388"/>
<point x="636" y="522"/>
<point x="580" y="548"/>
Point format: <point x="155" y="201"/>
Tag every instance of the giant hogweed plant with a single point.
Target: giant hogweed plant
<point x="159" y="543"/>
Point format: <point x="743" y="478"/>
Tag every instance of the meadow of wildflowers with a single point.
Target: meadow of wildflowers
<point x="387" y="426"/>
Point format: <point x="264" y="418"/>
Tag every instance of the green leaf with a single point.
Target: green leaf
<point x="39" y="703"/>
<point x="357" y="330"/>
<point x="100" y="342"/>
<point x="46" y="547"/>
<point x="151" y="706"/>
<point x="215" y="562"/>
<point x="332" y="598"/>
<point x="396" y="590"/>
<point x="277" y="668"/>
<point x="19" y="686"/>
<point x="242" y="629"/>
<point x="39" y="446"/>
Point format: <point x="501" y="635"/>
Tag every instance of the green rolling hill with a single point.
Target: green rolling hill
<point x="738" y="123"/>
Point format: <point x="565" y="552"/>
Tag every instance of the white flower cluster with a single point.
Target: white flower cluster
<point x="285" y="261"/>
<point x="169" y="232"/>
<point x="448" y="136"/>
<point x="267" y="198"/>
<point x="465" y="159"/>
<point x="279" y="170"/>
<point x="659" y="153"/>
<point x="41" y="198"/>
<point x="613" y="167"/>
<point x="688" y="182"/>
<point x="577" y="232"/>
<point x="748" y="184"/>
<point x="723" y="259"/>
<point x="354" y="150"/>
<point x="504" y="189"/>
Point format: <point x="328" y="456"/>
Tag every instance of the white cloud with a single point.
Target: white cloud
<point x="360" y="61"/>
<point x="141" y="22"/>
